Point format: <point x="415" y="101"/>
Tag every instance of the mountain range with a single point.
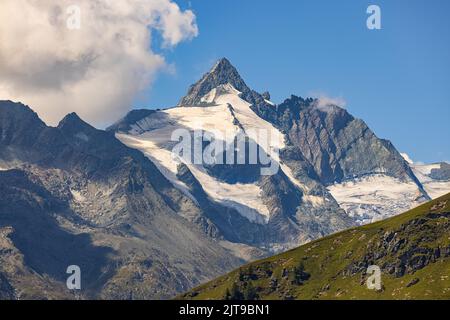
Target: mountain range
<point x="143" y="226"/>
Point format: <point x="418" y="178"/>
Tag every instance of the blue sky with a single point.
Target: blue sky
<point x="396" y="79"/>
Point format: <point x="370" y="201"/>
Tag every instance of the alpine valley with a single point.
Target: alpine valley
<point x="143" y="226"/>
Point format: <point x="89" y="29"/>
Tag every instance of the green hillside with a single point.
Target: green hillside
<point x="412" y="250"/>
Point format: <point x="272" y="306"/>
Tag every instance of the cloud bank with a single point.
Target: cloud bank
<point x="96" y="70"/>
<point x="325" y="101"/>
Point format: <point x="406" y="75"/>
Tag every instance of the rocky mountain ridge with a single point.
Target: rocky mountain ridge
<point x="143" y="226"/>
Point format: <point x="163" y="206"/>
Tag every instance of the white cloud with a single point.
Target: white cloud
<point x="96" y="70"/>
<point x="325" y="101"/>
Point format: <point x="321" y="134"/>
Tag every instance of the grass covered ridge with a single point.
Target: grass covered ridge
<point x="412" y="250"/>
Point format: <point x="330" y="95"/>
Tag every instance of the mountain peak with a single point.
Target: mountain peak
<point x="73" y="123"/>
<point x="17" y="109"/>
<point x="19" y="125"/>
<point x="221" y="65"/>
<point x="222" y="72"/>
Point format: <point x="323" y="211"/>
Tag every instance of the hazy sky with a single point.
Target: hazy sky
<point x="396" y="79"/>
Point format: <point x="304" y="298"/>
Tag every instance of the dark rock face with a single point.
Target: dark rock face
<point x="19" y="124"/>
<point x="244" y="172"/>
<point x="400" y="252"/>
<point x="220" y="221"/>
<point x="93" y="202"/>
<point x="266" y="95"/>
<point x="337" y="145"/>
<point x="443" y="173"/>
<point x="26" y="206"/>
<point x="6" y="290"/>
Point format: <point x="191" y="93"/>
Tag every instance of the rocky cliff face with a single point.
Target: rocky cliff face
<point x="442" y="173"/>
<point x="93" y="202"/>
<point x="339" y="146"/>
<point x="336" y="149"/>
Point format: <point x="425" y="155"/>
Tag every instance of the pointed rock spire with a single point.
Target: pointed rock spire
<point x="222" y="72"/>
<point x="72" y="124"/>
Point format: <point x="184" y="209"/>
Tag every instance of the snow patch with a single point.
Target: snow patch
<point x="422" y="171"/>
<point x="77" y="196"/>
<point x="161" y="158"/>
<point x="434" y="188"/>
<point x="288" y="172"/>
<point x="407" y="158"/>
<point x="209" y="97"/>
<point x="250" y="120"/>
<point x="375" y="197"/>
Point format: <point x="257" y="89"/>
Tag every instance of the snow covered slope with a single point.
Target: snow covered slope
<point x="376" y="197"/>
<point x="329" y="160"/>
<point x="152" y="135"/>
<point x="271" y="207"/>
<point x="271" y="212"/>
<point x="434" y="187"/>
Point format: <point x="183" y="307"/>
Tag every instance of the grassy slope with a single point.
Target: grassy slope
<point x="404" y="247"/>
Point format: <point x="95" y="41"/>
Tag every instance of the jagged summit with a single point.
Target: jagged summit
<point x="222" y="63"/>
<point x="72" y="122"/>
<point x="18" y="124"/>
<point x="17" y="109"/>
<point x="222" y="72"/>
<point x="10" y="104"/>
